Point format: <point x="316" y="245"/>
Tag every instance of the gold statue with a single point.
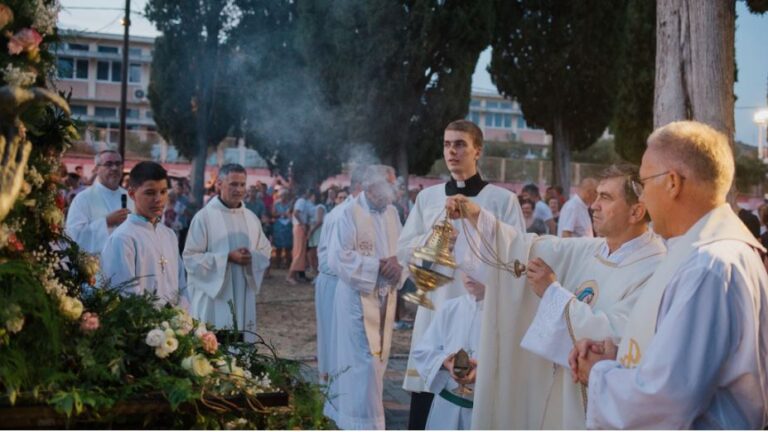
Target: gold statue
<point x="14" y="147"/>
<point x="432" y="265"/>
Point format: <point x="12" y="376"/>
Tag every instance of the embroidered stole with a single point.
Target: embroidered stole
<point x="719" y="224"/>
<point x="377" y="317"/>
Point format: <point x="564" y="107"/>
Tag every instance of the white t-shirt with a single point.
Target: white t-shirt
<point x="542" y="211"/>
<point x="574" y="217"/>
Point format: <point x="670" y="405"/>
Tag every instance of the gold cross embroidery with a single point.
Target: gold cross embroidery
<point x="162" y="263"/>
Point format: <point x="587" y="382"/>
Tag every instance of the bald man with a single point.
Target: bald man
<point x="695" y="348"/>
<point x="574" y="217"/>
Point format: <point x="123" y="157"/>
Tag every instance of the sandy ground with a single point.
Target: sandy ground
<point x="286" y="319"/>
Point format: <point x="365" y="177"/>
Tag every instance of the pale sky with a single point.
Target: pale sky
<point x="751" y="58"/>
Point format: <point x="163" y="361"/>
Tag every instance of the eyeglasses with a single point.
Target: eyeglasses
<point x="639" y="184"/>
<point x="112" y="164"/>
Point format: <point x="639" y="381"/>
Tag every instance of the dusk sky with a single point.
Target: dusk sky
<point x="751" y="58"/>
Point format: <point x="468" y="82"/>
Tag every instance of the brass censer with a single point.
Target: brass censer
<point x="432" y="265"/>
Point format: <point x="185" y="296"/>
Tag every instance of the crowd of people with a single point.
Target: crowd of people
<point x="642" y="300"/>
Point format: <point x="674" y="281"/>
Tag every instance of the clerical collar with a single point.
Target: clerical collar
<point x="469" y="187"/>
<point x="240" y="204"/>
<point x="138" y="217"/>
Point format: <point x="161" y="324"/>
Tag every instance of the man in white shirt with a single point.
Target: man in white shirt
<point x="574" y="216"/>
<point x="98" y="210"/>
<point x="695" y="349"/>
<point x="540" y="209"/>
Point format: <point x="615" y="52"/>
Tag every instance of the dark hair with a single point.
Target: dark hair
<point x="472" y="129"/>
<point x="532" y="189"/>
<point x="524" y="201"/>
<point x="226" y="169"/>
<point x="628" y="173"/>
<point x="146" y="171"/>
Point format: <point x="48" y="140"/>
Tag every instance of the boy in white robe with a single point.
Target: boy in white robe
<point x="456" y="326"/>
<point x="695" y="348"/>
<point x="98" y="210"/>
<point x="144" y="248"/>
<point x="363" y="245"/>
<point x="462" y="148"/>
<point x="226" y="254"/>
<point x="589" y="289"/>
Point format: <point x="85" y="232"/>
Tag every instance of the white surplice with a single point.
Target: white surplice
<point x="213" y="281"/>
<point x="139" y="249"/>
<point x="704" y="366"/>
<point x="430" y="209"/>
<point x="599" y="290"/>
<point x="456" y="326"/>
<point x="359" y="375"/>
<point x="86" y="222"/>
<point x="325" y="288"/>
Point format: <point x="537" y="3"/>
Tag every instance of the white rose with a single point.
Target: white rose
<point x="70" y="307"/>
<point x="197" y="365"/>
<point x="170" y="344"/>
<point x="155" y="338"/>
<point x="161" y="352"/>
<point x="182" y="322"/>
<point x="14" y="325"/>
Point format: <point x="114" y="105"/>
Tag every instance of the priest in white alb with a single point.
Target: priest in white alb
<point x="694" y="352"/>
<point x="98" y="210"/>
<point x="325" y="283"/>
<point x="143" y="253"/>
<point x="362" y="254"/>
<point x="226" y="254"/>
<point x="462" y="148"/>
<point x="587" y="287"/>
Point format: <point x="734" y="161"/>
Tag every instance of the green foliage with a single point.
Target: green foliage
<point x="633" y="119"/>
<point x="750" y="171"/>
<point x="558" y="59"/>
<point x="602" y="152"/>
<point x="758" y="6"/>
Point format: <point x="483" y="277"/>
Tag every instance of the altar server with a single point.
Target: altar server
<point x="142" y="251"/>
<point x="225" y="255"/>
<point x="462" y="148"/>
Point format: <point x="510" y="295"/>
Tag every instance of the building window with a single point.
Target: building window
<point x="489" y="119"/>
<point x="108" y="49"/>
<point x="498" y="120"/>
<point x="491" y="104"/>
<point x="508" y="121"/>
<point x="134" y="73"/>
<point x="77" y="47"/>
<point x="134" y="52"/>
<point x="109" y="71"/>
<point x="79" y="110"/>
<point x="65" y="67"/>
<point x="474" y="103"/>
<point x="474" y="117"/>
<point x="132" y="113"/>
<point x="521" y="123"/>
<point x="506" y="105"/>
<point x="106" y="112"/>
<point x="148" y="114"/>
<point x="69" y="68"/>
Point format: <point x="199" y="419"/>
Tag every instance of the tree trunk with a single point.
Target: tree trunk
<point x="561" y="157"/>
<point x="695" y="61"/>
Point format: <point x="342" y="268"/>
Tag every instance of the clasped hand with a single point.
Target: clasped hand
<point x="457" y="204"/>
<point x="240" y="256"/>
<point x="390" y="269"/>
<point x="585" y="354"/>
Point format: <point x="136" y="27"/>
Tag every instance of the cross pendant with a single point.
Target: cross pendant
<point x="162" y="263"/>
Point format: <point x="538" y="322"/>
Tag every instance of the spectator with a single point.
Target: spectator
<point x="254" y="202"/>
<point x="281" y="229"/>
<point x="540" y="209"/>
<point x="532" y="223"/>
<point x="575" y="220"/>
<point x="315" y="228"/>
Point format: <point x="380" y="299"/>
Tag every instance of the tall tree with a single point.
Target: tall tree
<point x="695" y="61"/>
<point x="186" y="89"/>
<point x="633" y="119"/>
<point x="558" y="59"/>
<point x="395" y="72"/>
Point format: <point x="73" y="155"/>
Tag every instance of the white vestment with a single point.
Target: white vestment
<point x="600" y="291"/>
<point x="363" y="339"/>
<point x="87" y="216"/>
<point x="430" y="209"/>
<point x="456" y="326"/>
<point x="213" y="281"/>
<point x="514" y="385"/>
<point x="137" y="248"/>
<point x="695" y="349"/>
<point x="325" y="288"/>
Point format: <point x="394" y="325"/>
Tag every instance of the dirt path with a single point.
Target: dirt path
<point x="286" y="318"/>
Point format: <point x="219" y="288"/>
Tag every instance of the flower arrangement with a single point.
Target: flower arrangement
<point x="79" y="345"/>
